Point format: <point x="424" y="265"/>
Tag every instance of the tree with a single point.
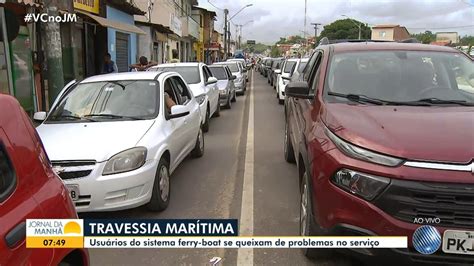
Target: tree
<point x="345" y="29"/>
<point x="258" y="48"/>
<point x="275" y="52"/>
<point x="426" y="37"/>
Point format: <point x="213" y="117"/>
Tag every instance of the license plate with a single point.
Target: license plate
<point x="73" y="191"/>
<point x="458" y="242"/>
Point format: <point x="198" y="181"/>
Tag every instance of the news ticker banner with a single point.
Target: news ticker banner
<point x="187" y="233"/>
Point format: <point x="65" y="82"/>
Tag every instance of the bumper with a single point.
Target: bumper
<point x="114" y="192"/>
<point x="239" y="86"/>
<point x="341" y="213"/>
<point x="223" y="98"/>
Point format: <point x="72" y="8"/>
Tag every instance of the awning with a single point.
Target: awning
<point x="113" y="24"/>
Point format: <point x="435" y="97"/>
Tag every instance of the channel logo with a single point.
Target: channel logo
<point x="426" y="239"/>
<point x="54" y="233"/>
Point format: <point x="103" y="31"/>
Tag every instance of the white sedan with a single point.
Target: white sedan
<point x="202" y="83"/>
<point x="115" y="142"/>
<point x="290" y="66"/>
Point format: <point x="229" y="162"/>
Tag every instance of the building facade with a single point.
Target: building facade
<point x="389" y="33"/>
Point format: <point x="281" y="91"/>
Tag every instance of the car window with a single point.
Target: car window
<point x="233" y="67"/>
<point x="229" y="73"/>
<point x="181" y="90"/>
<point x="310" y="63"/>
<point x="131" y="98"/>
<point x="7" y="174"/>
<point x="302" y="66"/>
<point x="169" y="89"/>
<point x="403" y="76"/>
<point x="207" y="73"/>
<point x="189" y="73"/>
<point x="219" y="72"/>
<point x="315" y="74"/>
<point x="289" y="66"/>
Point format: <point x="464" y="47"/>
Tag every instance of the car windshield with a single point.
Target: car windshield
<point x="289" y="66"/>
<point x="403" y="76"/>
<point x="189" y="73"/>
<point x="97" y="101"/>
<point x="233" y="67"/>
<point x="219" y="73"/>
<point x="302" y="66"/>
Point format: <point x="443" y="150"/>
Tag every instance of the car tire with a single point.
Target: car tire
<point x="217" y="113"/>
<point x="205" y="125"/>
<point x="234" y="99"/>
<point x="308" y="225"/>
<point x="160" y="196"/>
<point x="280" y="101"/>
<point x="288" y="149"/>
<point x="198" y="150"/>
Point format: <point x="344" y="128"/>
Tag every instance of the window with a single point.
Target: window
<point x="189" y="73"/>
<point x="168" y="89"/>
<point x="181" y="90"/>
<point x="219" y="72"/>
<point x="382" y="34"/>
<point x="207" y="73"/>
<point x="289" y="66"/>
<point x="7" y="174"/>
<point x="309" y="66"/>
<point x="314" y="73"/>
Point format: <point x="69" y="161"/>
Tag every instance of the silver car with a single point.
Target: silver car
<point x="239" y="81"/>
<point x="225" y="83"/>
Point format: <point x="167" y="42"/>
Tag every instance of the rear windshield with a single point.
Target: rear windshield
<point x="219" y="73"/>
<point x="233" y="67"/>
<point x="403" y="76"/>
<point x="289" y="66"/>
<point x="189" y="73"/>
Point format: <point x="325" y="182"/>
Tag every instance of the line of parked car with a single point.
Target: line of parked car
<point x="383" y="138"/>
<point x="109" y="142"/>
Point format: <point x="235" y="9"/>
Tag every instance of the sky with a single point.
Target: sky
<point x="268" y="20"/>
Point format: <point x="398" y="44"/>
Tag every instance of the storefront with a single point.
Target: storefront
<point x="16" y="64"/>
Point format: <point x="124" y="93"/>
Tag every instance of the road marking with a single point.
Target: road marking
<point x="245" y="255"/>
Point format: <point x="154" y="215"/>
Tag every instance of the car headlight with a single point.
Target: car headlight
<point x="201" y="98"/>
<point x="362" y="154"/>
<point x="363" y="185"/>
<point x="125" y="161"/>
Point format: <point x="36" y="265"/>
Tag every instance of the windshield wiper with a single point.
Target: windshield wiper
<point x="75" y="117"/>
<point x="115" y="116"/>
<point x="441" y="101"/>
<point x="359" y="98"/>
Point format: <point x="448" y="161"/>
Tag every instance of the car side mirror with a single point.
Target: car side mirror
<point x="178" y="111"/>
<point x="233" y="77"/>
<point x="278" y="71"/>
<point x="40" y="116"/>
<point x="211" y="80"/>
<point x="298" y="89"/>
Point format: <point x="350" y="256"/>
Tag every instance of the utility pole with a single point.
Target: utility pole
<point x="315" y="30"/>
<point x="226" y="12"/>
<point x="54" y="55"/>
<point x="228" y="38"/>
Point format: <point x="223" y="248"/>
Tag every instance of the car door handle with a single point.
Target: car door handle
<point x="16" y="235"/>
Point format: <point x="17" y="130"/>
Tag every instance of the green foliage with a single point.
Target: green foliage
<point x="275" y="52"/>
<point x="291" y="40"/>
<point x="425" y="37"/>
<point x="255" y="48"/>
<point x="467" y="40"/>
<point x="345" y="29"/>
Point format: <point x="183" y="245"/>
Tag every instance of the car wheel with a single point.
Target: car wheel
<point x="308" y="226"/>
<point x="280" y="101"/>
<point x="198" y="150"/>
<point x="218" y="110"/>
<point x="160" y="196"/>
<point x="234" y="99"/>
<point x="288" y="149"/>
<point x="229" y="102"/>
<point x="205" y="126"/>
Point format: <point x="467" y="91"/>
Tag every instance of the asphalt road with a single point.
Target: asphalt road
<point x="212" y="187"/>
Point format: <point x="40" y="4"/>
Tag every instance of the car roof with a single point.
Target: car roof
<point x="140" y="75"/>
<point x="179" y="64"/>
<point x="379" y="46"/>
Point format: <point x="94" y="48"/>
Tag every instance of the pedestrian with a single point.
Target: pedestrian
<point x="109" y="65"/>
<point x="143" y="64"/>
<point x="175" y="56"/>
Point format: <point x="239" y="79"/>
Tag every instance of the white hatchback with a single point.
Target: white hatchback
<point x="115" y="142"/>
<point x="202" y="83"/>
